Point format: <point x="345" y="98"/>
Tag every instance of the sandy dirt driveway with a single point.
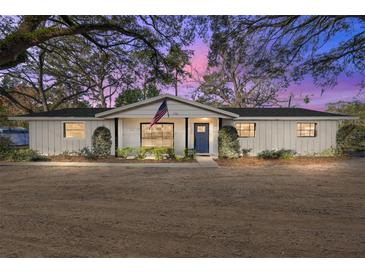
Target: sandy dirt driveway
<point x="268" y="211"/>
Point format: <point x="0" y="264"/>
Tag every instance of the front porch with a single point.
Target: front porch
<point x="179" y="133"/>
<point x="186" y="125"/>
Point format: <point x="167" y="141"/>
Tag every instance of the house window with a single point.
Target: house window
<point x="246" y="129"/>
<point x="160" y="135"/>
<point x="74" y="130"/>
<point x="306" y="129"/>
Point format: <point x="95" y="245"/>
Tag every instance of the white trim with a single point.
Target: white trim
<point x="166" y="96"/>
<point x="44" y="118"/>
<point x="297" y="118"/>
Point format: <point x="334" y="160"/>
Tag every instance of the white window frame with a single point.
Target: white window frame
<point x="72" y="122"/>
<point x="246" y="122"/>
<point x="315" y="129"/>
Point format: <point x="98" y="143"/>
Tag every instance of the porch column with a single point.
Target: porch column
<point x="116" y="135"/>
<point x="186" y="132"/>
<point x="220" y="123"/>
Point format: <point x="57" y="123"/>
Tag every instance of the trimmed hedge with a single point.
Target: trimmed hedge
<point x="5" y="146"/>
<point x="141" y="153"/>
<point x="228" y="144"/>
<point x="277" y="154"/>
<point x="23" y="154"/>
<point x="101" y="141"/>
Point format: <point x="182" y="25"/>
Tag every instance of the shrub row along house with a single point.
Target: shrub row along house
<point x="187" y="124"/>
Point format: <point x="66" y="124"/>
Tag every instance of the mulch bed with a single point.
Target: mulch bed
<point x="111" y="159"/>
<point x="300" y="160"/>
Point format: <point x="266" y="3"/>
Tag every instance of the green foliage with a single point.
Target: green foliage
<point x="129" y="96"/>
<point x="141" y="152"/>
<point x="277" y="154"/>
<point x="329" y="152"/>
<point x="245" y="151"/>
<point x="239" y="72"/>
<point x="67" y="153"/>
<point x="158" y="152"/>
<point x="189" y="153"/>
<point x="133" y="95"/>
<point x="171" y="153"/>
<point x="101" y="141"/>
<point x="5" y="146"/>
<point x="355" y="108"/>
<point x="24" y="154"/>
<point x="177" y="59"/>
<point x="87" y="153"/>
<point x="150" y="90"/>
<point x="228" y="144"/>
<point x="123" y="152"/>
<point x="351" y="138"/>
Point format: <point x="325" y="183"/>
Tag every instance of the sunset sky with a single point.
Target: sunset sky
<point x="347" y="89"/>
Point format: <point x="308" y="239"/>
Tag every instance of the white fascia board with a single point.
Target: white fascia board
<point x="298" y="118"/>
<point x="54" y="118"/>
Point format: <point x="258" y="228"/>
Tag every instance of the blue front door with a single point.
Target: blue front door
<point x="201" y="137"/>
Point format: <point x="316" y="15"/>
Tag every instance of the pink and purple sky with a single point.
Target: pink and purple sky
<point x="347" y="88"/>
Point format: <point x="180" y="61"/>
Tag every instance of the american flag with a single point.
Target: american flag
<point x="162" y="110"/>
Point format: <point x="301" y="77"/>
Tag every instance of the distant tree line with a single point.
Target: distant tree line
<point x="50" y="62"/>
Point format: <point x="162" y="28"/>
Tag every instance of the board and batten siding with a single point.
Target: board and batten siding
<point x="46" y="136"/>
<point x="282" y="134"/>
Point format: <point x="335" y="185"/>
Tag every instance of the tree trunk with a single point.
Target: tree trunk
<point x="40" y="82"/>
<point x="176" y="83"/>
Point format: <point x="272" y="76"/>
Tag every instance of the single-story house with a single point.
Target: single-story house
<point x="188" y="124"/>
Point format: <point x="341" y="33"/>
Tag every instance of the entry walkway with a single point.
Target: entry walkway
<point x="206" y="161"/>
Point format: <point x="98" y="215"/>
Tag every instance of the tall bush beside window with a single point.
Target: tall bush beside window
<point x="101" y="141"/>
<point x="228" y="144"/>
<point x="5" y="146"/>
<point x="351" y="138"/>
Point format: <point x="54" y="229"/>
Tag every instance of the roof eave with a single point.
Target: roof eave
<point x="293" y="118"/>
<point x="55" y="118"/>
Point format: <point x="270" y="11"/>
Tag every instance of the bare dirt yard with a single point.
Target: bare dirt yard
<point x="311" y="210"/>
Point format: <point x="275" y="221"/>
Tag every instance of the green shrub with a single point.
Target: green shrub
<point x="87" y="153"/>
<point x="286" y="154"/>
<point x="171" y="153"/>
<point x="5" y="146"/>
<point x="189" y="153"/>
<point x="25" y="154"/>
<point x="158" y="152"/>
<point x="123" y="152"/>
<point x="277" y="154"/>
<point x="65" y="153"/>
<point x="141" y="152"/>
<point x="351" y="138"/>
<point x="329" y="152"/>
<point x="245" y="152"/>
<point x="228" y="144"/>
<point x="101" y="141"/>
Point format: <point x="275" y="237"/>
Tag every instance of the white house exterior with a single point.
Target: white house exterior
<point x="188" y="125"/>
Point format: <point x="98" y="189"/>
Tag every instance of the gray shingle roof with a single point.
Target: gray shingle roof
<point x="242" y="112"/>
<point x="280" y="112"/>
<point x="68" y="112"/>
